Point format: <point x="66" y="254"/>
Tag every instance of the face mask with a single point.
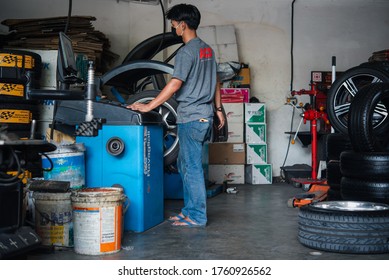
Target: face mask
<point x="174" y="30"/>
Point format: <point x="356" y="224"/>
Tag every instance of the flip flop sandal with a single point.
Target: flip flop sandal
<point x="176" y="218"/>
<point x="185" y="223"/>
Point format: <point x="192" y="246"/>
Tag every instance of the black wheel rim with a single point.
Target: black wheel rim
<point x="346" y="92"/>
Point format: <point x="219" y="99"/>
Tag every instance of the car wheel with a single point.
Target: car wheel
<point x="345" y="227"/>
<point x="344" y="89"/>
<point x="168" y="111"/>
<point x="368" y="111"/>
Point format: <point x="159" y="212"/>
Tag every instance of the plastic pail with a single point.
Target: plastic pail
<point x="53" y="218"/>
<point x="68" y="163"/>
<point x="97" y="220"/>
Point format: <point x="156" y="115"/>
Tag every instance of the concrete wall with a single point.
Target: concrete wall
<point x="349" y="30"/>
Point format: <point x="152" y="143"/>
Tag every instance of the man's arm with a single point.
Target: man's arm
<point x="168" y="91"/>
<point x="218" y="106"/>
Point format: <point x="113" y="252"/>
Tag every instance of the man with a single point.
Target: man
<point x="194" y="82"/>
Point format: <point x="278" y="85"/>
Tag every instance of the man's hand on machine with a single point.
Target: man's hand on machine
<point x="141" y="107"/>
<point x="221" y="119"/>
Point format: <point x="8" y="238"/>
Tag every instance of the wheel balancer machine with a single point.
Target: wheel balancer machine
<point x="123" y="147"/>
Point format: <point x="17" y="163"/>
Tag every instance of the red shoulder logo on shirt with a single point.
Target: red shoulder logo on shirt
<point x="205" y="53"/>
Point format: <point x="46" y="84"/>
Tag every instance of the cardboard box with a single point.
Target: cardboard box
<point x="242" y="78"/>
<point x="222" y="39"/>
<point x="235" y="95"/>
<point x="227" y="153"/>
<point x="235" y="133"/>
<point x="255" y="113"/>
<point x="234" y="173"/>
<point x="256" y="153"/>
<point x="234" y="112"/>
<point x="256" y="174"/>
<point x="255" y="133"/>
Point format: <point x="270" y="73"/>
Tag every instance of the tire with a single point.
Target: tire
<point x="344" y="89"/>
<point x="337" y="143"/>
<point x="15" y="63"/>
<point x="368" y="112"/>
<point x="333" y="194"/>
<point x="133" y="77"/>
<point x="148" y="48"/>
<point x="17" y="115"/>
<point x="168" y="110"/>
<point x="334" y="175"/>
<point x="364" y="190"/>
<point x="381" y="65"/>
<point x="11" y="91"/>
<point x="366" y="166"/>
<point x="345" y="227"/>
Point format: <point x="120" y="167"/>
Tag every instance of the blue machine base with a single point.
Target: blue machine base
<point x="138" y="169"/>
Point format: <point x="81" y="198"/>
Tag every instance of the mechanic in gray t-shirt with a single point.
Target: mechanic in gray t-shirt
<point x="195" y="65"/>
<point x="194" y="82"/>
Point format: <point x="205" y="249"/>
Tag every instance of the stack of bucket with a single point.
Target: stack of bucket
<point x="53" y="209"/>
<point x="90" y="219"/>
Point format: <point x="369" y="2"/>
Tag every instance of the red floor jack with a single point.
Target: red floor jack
<point x="316" y="188"/>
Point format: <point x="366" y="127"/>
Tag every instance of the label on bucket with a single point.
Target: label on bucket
<point x="53" y="218"/>
<point x="97" y="230"/>
<point x="57" y="235"/>
<point x="54" y="235"/>
<point x="66" y="167"/>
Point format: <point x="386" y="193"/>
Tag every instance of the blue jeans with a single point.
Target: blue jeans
<point x="192" y="136"/>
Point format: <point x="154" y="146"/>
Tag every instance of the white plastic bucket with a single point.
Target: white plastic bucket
<point x="97" y="220"/>
<point x="53" y="218"/>
<point x="68" y="164"/>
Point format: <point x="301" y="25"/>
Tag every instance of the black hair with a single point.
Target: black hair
<point x="185" y="12"/>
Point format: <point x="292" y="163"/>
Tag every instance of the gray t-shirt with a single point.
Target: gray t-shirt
<point x="195" y="65"/>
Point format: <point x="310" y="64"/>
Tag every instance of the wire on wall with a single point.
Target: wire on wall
<point x="291" y="46"/>
<point x="69" y="16"/>
<point x="164" y="29"/>
<point x="291" y="77"/>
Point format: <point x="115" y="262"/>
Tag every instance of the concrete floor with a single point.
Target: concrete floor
<point x="254" y="224"/>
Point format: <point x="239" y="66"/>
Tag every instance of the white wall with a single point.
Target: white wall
<point x="348" y="29"/>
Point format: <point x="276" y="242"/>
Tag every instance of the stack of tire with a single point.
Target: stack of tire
<point x="365" y="169"/>
<point x="335" y="144"/>
<point x="356" y="220"/>
<point x="17" y="113"/>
